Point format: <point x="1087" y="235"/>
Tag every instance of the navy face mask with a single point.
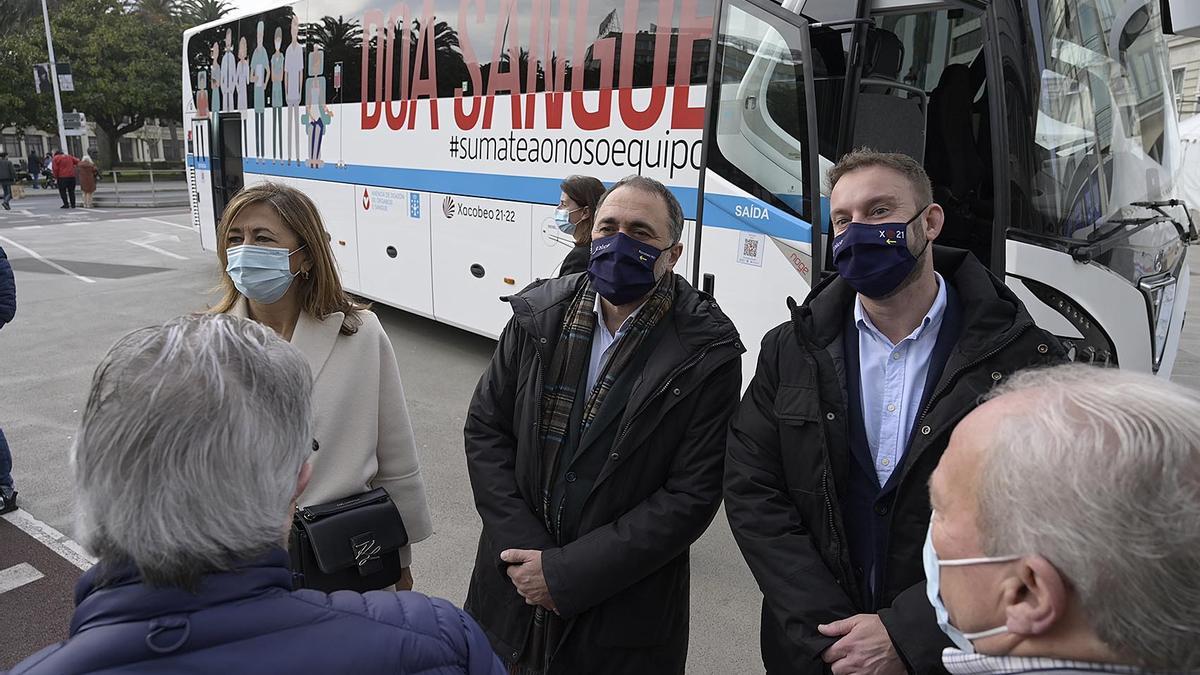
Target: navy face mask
<point x="874" y="259"/>
<point x="622" y="268"/>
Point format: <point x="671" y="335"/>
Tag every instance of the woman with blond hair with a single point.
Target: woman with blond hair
<point x="88" y="176"/>
<point x="280" y="271"/>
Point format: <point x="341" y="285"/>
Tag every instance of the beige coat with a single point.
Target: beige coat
<point x="360" y="419"/>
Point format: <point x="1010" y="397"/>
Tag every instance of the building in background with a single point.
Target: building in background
<point x="157" y="141"/>
<point x="1185" y="74"/>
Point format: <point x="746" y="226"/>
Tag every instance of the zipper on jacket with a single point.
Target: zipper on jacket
<point x="686" y="365"/>
<point x="967" y="366"/>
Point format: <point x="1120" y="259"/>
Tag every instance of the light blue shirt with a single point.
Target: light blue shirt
<point x="892" y="381"/>
<point x="603" y="341"/>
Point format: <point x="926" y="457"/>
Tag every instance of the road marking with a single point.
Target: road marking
<point x="51" y="538"/>
<point x="17" y="576"/>
<point x="29" y="227"/>
<point x="51" y="263"/>
<point x="189" y="228"/>
<point x="148" y="241"/>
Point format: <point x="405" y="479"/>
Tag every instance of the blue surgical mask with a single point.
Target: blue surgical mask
<point x="622" y="268"/>
<point x="933" y="569"/>
<point x="562" y="218"/>
<point x="261" y="273"/>
<point x="874" y="258"/>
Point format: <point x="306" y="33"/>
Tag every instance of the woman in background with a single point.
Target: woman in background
<point x="576" y="208"/>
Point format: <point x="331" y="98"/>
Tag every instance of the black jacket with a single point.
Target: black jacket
<point x="8" y="290"/>
<point x="8" y="172"/>
<point x="576" y="261"/>
<point x="788" y="455"/>
<point x="623" y="584"/>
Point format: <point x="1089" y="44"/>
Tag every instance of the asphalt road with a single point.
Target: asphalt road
<point x="85" y="278"/>
<point x="97" y="275"/>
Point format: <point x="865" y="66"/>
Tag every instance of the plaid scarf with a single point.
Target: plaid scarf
<point x="559" y="391"/>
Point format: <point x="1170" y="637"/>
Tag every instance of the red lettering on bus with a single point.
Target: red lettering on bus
<point x="692" y="29"/>
<point x="467" y="121"/>
<point x="427" y="57"/>
<point x="634" y="119"/>
<point x="372" y="22"/>
<point x="400" y="16"/>
<point x="603" y="53"/>
<point x="507" y="79"/>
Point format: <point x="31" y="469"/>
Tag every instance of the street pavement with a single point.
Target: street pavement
<point x="84" y="278"/>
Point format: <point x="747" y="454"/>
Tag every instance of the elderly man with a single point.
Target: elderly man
<point x="595" y="444"/>
<point x="849" y="411"/>
<point x="188" y="461"/>
<point x="1066" y="529"/>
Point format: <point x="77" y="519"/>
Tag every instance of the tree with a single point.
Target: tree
<point x="159" y="11"/>
<point x="22" y="44"/>
<point x="126" y="68"/>
<point x="196" y="12"/>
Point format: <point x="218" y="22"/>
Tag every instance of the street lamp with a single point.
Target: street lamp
<point x="62" y="134"/>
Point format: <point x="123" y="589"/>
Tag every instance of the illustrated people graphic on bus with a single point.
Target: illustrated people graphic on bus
<point x="214" y="99"/>
<point x="243" y="102"/>
<point x="316" y="113"/>
<point x="201" y="119"/>
<point x="293" y="69"/>
<point x="228" y="74"/>
<point x="260" y="73"/>
<point x="277" y="96"/>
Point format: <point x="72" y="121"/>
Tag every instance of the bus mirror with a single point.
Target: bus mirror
<point x="1181" y="17"/>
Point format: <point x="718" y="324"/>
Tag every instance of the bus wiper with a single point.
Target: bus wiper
<point x="1101" y="241"/>
<point x="1189" y="237"/>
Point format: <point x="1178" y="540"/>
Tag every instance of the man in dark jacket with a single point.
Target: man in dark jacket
<point x="8" y="174"/>
<point x="8" y="309"/>
<point x="851" y="406"/>
<point x="192" y="450"/>
<point x="595" y="445"/>
<point x="35" y="168"/>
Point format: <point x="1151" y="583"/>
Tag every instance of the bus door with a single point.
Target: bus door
<point x="226" y="162"/>
<point x="759" y="189"/>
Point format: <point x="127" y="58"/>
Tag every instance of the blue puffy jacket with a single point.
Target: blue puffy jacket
<point x="8" y="290"/>
<point x="250" y="621"/>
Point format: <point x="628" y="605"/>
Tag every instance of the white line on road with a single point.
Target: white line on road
<point x="51" y="538"/>
<point x="158" y="250"/>
<point x="17" y="576"/>
<point x="51" y="263"/>
<point x="154" y="237"/>
<point x="29" y="227"/>
<point x="189" y="228"/>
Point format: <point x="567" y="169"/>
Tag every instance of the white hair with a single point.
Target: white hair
<point x="1098" y="471"/>
<point x="86" y="158"/>
<point x="190" y="447"/>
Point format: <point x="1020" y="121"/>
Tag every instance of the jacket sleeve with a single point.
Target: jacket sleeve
<point x="462" y="638"/>
<point x="491" y="447"/>
<point x="912" y="625"/>
<point x="8" y="291"/>
<point x="396" y="451"/>
<point x="799" y="590"/>
<point x="609" y="559"/>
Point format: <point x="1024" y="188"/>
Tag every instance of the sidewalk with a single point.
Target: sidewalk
<point x="132" y="194"/>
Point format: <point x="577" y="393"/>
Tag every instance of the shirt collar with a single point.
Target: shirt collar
<point x="933" y="318"/>
<point x="959" y="662"/>
<point x="601" y="325"/>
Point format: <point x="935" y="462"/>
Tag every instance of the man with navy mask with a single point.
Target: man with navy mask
<point x="595" y="444"/>
<point x="851" y="406"/>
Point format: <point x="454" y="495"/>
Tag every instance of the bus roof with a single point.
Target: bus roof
<point x="235" y="16"/>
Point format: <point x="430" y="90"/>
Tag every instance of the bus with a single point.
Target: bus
<point x="433" y="136"/>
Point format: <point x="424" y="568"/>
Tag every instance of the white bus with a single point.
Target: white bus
<point x="433" y="136"/>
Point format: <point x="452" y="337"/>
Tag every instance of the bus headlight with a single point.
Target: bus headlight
<point x="1160" y="303"/>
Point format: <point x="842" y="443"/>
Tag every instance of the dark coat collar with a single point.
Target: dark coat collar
<point x="991" y="312"/>
<point x="109" y="595"/>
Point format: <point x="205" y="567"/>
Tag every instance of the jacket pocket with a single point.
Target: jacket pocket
<point x="797" y="405"/>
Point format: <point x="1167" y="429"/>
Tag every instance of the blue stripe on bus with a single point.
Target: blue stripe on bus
<point x="724" y="211"/>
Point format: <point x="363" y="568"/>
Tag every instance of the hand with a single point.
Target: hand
<point x="865" y="647"/>
<point x="406" y="579"/>
<point x="525" y="570"/>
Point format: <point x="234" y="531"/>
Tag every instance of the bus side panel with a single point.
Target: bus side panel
<point x="481" y="251"/>
<point x="395" y="264"/>
<point x="550" y="245"/>
<point x="204" y="207"/>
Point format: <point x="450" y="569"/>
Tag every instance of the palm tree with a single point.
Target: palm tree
<point x="158" y="11"/>
<point x="196" y="12"/>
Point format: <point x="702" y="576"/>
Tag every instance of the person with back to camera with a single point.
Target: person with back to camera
<point x="280" y="271"/>
<point x="8" y="309"/>
<point x="576" y="209"/>
<point x="189" y="458"/>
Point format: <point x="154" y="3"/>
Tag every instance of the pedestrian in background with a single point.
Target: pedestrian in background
<point x="594" y="443"/>
<point x="850" y="408"/>
<point x="63" y="167"/>
<point x="48" y="172"/>
<point x="576" y="209"/>
<point x="89" y="174"/>
<point x="280" y="271"/>
<point x="35" y="169"/>
<point x="8" y="174"/>
<point x="1065" y="535"/>
<point x="8" y="309"/>
<point x="187" y="463"/>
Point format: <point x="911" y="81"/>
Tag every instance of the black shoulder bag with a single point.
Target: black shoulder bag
<point x="351" y="544"/>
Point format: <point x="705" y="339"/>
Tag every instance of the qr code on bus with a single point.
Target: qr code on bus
<point x="749" y="248"/>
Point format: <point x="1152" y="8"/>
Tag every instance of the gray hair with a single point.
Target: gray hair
<point x="190" y="447"/>
<point x="674" y="210"/>
<point x="1099" y="472"/>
